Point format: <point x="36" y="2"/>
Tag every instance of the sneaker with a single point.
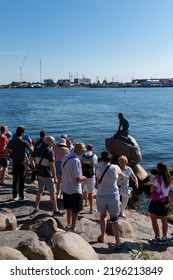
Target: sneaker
<point x="122" y="215"/>
<point x="58" y="213"/>
<point x="156" y="240"/>
<point x="22" y="199"/>
<point x="35" y="212"/>
<point x="164" y="240"/>
<point x="75" y="231"/>
<point x="91" y="211"/>
<point x="16" y="198"/>
<point x="68" y="227"/>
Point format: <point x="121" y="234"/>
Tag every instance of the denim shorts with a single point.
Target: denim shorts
<point x="58" y="167"/>
<point x="110" y="203"/>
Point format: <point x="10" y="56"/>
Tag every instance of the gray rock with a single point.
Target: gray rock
<point x="7" y="253"/>
<point x="44" y="226"/>
<point x="33" y="249"/>
<point x="7" y="220"/>
<point x="71" y="246"/>
<point x="13" y="238"/>
<point x="118" y="147"/>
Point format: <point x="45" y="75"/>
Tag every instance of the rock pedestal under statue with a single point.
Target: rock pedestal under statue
<point x="119" y="145"/>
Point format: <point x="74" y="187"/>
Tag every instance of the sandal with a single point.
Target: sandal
<point x="118" y="247"/>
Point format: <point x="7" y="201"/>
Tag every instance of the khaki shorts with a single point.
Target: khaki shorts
<point x="46" y="182"/>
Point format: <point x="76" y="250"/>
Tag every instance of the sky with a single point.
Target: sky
<point x="116" y="40"/>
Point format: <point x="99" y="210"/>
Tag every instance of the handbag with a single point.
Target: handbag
<point x="35" y="170"/>
<point x="126" y="191"/>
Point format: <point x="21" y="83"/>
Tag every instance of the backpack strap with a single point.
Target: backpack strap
<point x="67" y="160"/>
<point x="107" y="167"/>
<point x="88" y="157"/>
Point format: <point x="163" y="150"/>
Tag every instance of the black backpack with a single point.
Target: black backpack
<point x="88" y="166"/>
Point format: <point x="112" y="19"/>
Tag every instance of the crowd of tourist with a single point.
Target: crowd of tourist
<point x="74" y="173"/>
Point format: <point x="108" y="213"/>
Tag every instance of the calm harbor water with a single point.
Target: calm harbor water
<point x="90" y="116"/>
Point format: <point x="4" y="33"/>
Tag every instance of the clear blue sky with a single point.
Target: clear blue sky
<point x="116" y="39"/>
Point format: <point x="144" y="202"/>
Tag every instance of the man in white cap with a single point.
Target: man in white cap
<point x="72" y="177"/>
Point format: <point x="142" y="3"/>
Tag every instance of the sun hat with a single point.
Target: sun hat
<point x="80" y="146"/>
<point x="62" y="142"/>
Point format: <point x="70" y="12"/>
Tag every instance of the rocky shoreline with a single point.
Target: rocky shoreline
<point x="43" y="236"/>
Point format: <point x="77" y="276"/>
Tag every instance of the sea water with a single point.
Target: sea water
<point x="90" y="116"/>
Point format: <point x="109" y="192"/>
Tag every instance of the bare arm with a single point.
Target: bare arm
<point x="53" y="170"/>
<point x="152" y="189"/>
<point x="121" y="176"/>
<point x="80" y="179"/>
<point x="32" y="162"/>
<point x="135" y="179"/>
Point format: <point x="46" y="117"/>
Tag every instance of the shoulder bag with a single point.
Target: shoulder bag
<point x="34" y="172"/>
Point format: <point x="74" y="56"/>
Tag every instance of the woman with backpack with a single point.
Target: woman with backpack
<point x="159" y="204"/>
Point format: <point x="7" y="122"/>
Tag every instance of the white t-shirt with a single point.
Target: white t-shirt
<point x="109" y="183"/>
<point x="71" y="170"/>
<point x="127" y="173"/>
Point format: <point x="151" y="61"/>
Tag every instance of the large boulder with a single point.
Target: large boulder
<point x="122" y="146"/>
<point x="7" y="253"/>
<point x="71" y="246"/>
<point x="125" y="229"/>
<point x="139" y="171"/>
<point x="44" y="226"/>
<point x="34" y="249"/>
<point x="13" y="238"/>
<point x="7" y="220"/>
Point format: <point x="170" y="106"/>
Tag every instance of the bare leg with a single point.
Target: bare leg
<point x="85" y="198"/>
<point x="103" y="225"/>
<point x="90" y="199"/>
<point x="69" y="217"/>
<point x="164" y="225"/>
<point x="3" y="171"/>
<point x="53" y="201"/>
<point x="115" y="230"/>
<point x="74" y="219"/>
<point x="155" y="224"/>
<point x="58" y="186"/>
<point x="38" y="199"/>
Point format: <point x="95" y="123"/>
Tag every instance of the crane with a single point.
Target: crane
<point x="21" y="67"/>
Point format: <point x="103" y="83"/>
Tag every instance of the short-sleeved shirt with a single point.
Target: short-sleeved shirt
<point x="43" y="169"/>
<point x="70" y="171"/>
<point x="3" y="143"/>
<point x="127" y="173"/>
<point x="109" y="183"/>
<point x="18" y="147"/>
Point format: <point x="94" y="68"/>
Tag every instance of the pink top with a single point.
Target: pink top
<point x="60" y="152"/>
